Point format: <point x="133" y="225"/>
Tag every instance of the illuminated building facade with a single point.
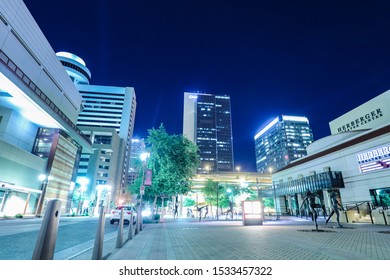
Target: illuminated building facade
<point x="39" y="106"/>
<point x="354" y="162"/>
<point x="282" y="141"/>
<point x="137" y="148"/>
<point x="207" y="123"/>
<point x="104" y="107"/>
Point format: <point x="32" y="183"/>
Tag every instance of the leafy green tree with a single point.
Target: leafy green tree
<point x="173" y="160"/>
<point x="188" y="202"/>
<point x="211" y="191"/>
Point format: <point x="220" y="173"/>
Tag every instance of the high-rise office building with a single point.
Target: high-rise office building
<point x="282" y="141"/>
<point x="207" y="123"/>
<point x="105" y="108"/>
<point x="137" y="148"/>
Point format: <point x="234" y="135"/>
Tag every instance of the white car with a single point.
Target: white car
<point x="116" y="214"/>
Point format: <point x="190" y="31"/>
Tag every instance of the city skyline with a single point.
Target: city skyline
<point x="317" y="60"/>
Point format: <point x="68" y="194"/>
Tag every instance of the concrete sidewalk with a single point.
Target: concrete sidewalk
<point x="288" y="239"/>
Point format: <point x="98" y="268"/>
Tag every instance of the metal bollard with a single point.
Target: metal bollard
<point x="44" y="248"/>
<point x="119" y="237"/>
<point x="384" y="216"/>
<point x="98" y="246"/>
<point x="130" y="235"/>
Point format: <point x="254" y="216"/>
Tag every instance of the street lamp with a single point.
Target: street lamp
<point x="45" y="181"/>
<point x="238" y="169"/>
<point x="217" y="185"/>
<point x="229" y="191"/>
<point x="273" y="188"/>
<point x="83" y="183"/>
<point x="144" y="156"/>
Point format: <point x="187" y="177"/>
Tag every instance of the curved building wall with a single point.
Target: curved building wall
<point x="372" y="114"/>
<point x="75" y="67"/>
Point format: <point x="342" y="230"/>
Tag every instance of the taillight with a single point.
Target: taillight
<point x="113" y="212"/>
<point x="128" y="212"/>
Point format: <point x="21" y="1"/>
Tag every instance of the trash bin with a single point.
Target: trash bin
<point x="252" y="213"/>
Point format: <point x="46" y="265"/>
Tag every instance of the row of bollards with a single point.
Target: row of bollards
<point x="98" y="247"/>
<point x="45" y="245"/>
<point x="119" y="239"/>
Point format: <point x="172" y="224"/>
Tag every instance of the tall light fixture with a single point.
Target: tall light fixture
<point x="144" y="157"/>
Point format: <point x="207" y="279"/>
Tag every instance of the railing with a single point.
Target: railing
<point x="358" y="211"/>
<point x="361" y="209"/>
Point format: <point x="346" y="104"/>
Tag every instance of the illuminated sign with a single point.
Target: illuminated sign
<point x="374" y="155"/>
<point x="192" y="96"/>
<point x="360" y="121"/>
<point x="375" y="159"/>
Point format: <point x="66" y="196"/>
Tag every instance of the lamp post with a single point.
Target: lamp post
<point x="83" y="182"/>
<point x="44" y="180"/>
<point x="273" y="188"/>
<point x="144" y="156"/>
<point x="217" y="185"/>
<point x="229" y="191"/>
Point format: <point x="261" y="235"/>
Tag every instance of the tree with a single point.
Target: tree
<point x="173" y="160"/>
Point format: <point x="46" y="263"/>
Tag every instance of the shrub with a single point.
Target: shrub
<point x="19" y="216"/>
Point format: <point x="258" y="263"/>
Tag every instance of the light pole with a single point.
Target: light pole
<point x="45" y="181"/>
<point x="217" y="185"/>
<point x="273" y="188"/>
<point x="229" y="191"/>
<point x="144" y="156"/>
<point x="83" y="182"/>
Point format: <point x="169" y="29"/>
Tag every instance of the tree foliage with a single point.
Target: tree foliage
<point x="173" y="160"/>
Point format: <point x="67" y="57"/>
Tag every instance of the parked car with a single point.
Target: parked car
<point x="116" y="214"/>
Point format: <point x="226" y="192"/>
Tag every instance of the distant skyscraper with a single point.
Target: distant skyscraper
<point x="104" y="107"/>
<point x="282" y="141"/>
<point x="207" y="123"/>
<point x="137" y="148"/>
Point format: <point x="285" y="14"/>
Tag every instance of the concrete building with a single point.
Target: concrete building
<point x="111" y="108"/>
<point x="281" y="141"/>
<point x="207" y="123"/>
<point x="354" y="162"/>
<point x="39" y="106"/>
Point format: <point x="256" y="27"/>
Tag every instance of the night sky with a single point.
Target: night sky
<point x="317" y="59"/>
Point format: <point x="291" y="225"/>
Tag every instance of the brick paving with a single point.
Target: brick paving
<point x="292" y="239"/>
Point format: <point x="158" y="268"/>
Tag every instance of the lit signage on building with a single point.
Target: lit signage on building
<point x="361" y="121"/>
<point x="192" y="96"/>
<point x="375" y="159"/>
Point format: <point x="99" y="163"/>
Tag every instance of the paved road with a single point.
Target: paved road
<point x="76" y="237"/>
<point x="295" y="239"/>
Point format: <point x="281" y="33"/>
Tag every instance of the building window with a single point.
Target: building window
<point x="102" y="139"/>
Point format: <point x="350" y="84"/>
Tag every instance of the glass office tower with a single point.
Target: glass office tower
<point x="282" y="141"/>
<point x="207" y="123"/>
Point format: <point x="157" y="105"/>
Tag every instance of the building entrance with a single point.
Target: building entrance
<point x="380" y="197"/>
